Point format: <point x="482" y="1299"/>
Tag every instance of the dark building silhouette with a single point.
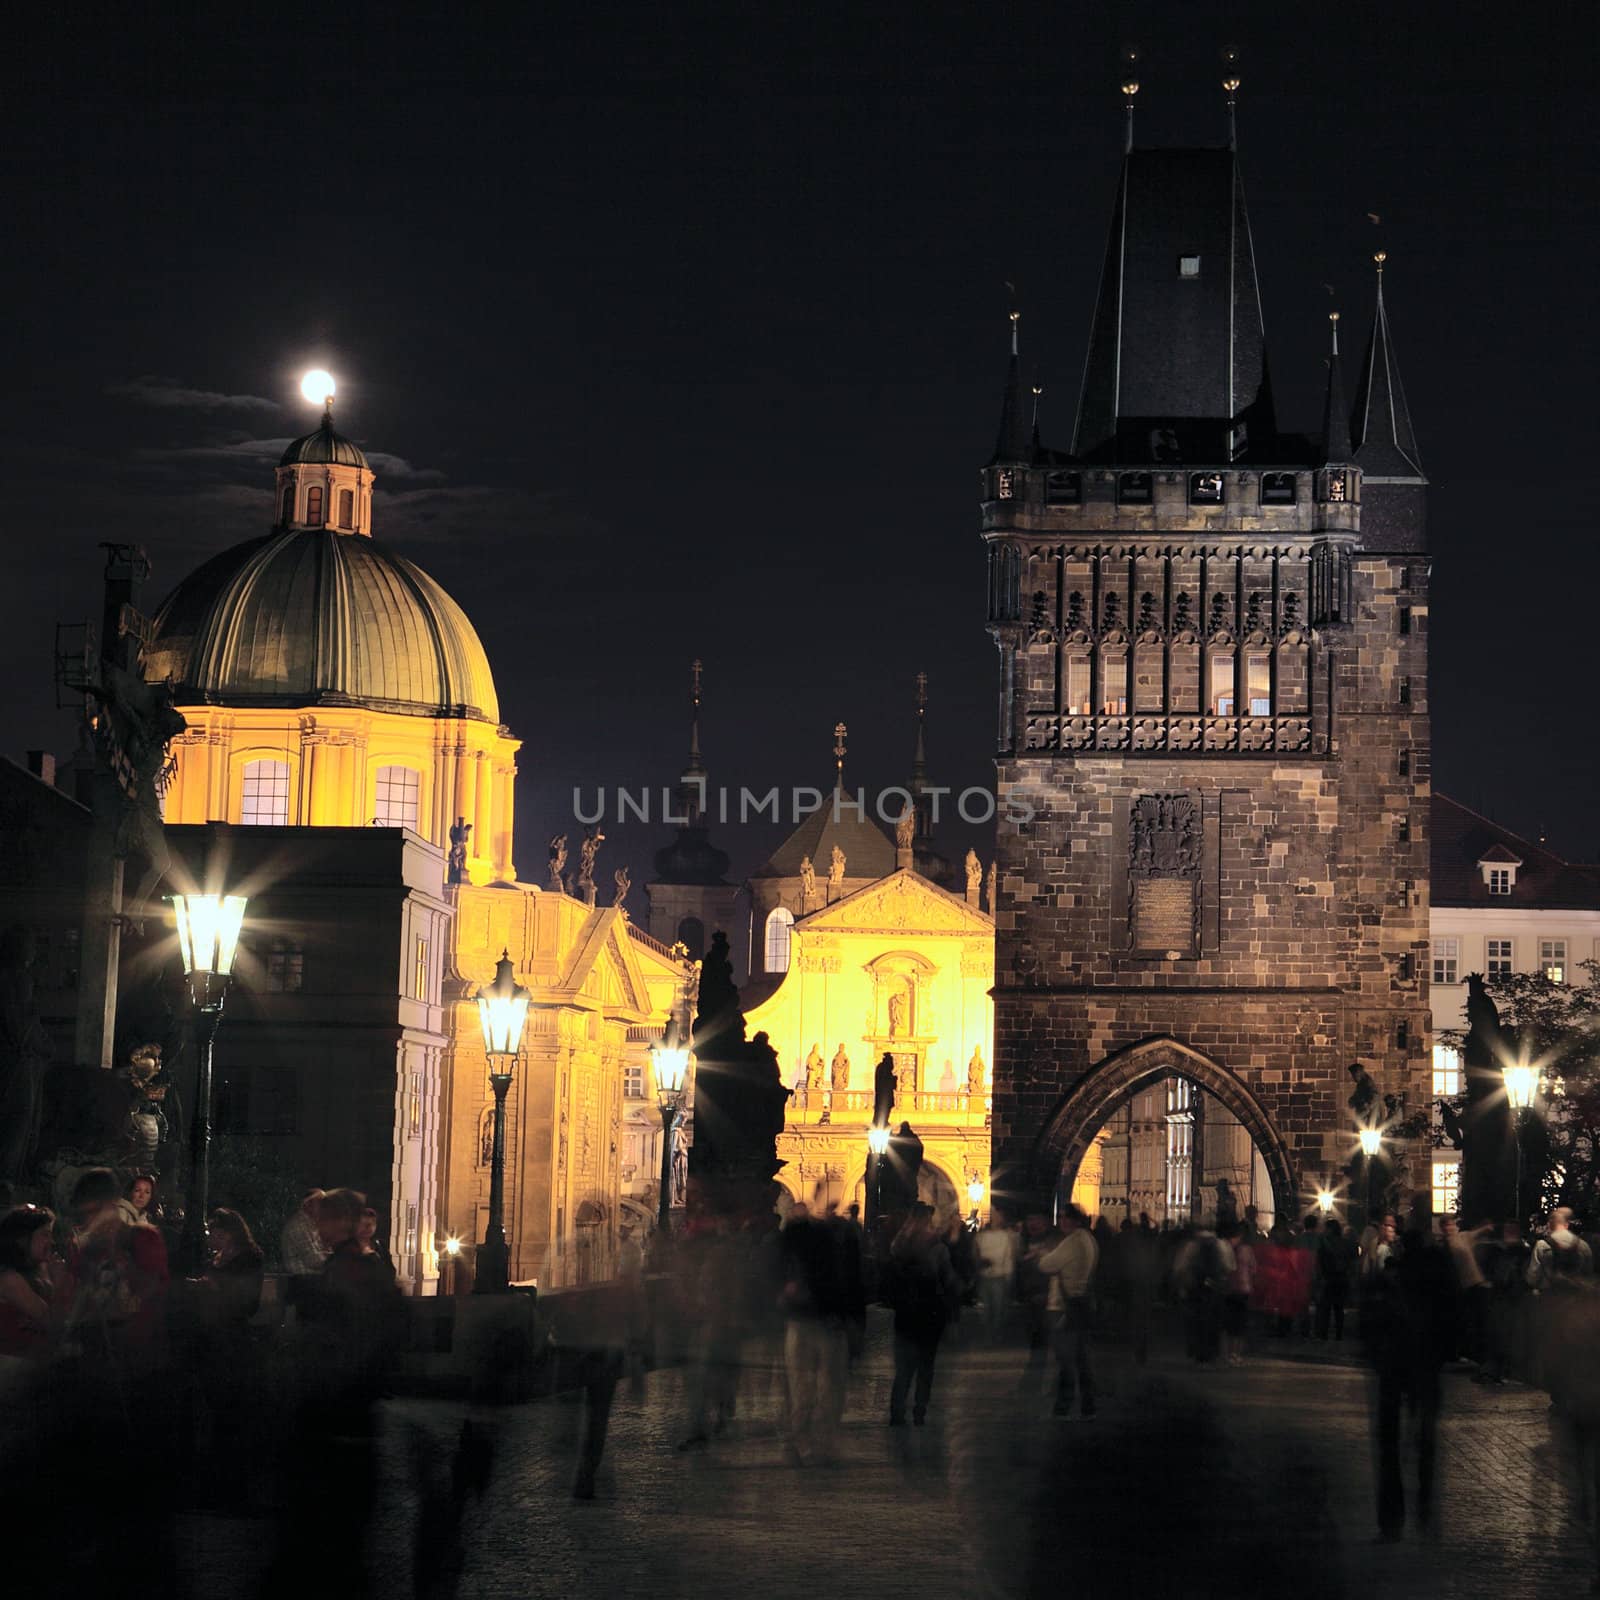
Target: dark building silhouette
<point x="1213" y="747"/>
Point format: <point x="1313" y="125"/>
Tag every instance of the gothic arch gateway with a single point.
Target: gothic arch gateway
<point x="1066" y="1137"/>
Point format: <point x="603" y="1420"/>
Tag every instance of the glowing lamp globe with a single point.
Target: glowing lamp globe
<point x="503" y="1009"/>
<point x="1371" y="1141"/>
<point x="671" y="1064"/>
<point x="878" y="1141"/>
<point x="317" y="387"/>
<point x="452" y="1246"/>
<point x="1522" y="1085"/>
<point x="975" y="1191"/>
<point x="1324" y="1201"/>
<point x="208" y="931"/>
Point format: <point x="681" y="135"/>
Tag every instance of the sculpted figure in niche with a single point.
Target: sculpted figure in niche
<point x="897" y="1015"/>
<point x="836" y="870"/>
<point x="975" y="1073"/>
<point x="808" y="881"/>
<point x="841" y="1069"/>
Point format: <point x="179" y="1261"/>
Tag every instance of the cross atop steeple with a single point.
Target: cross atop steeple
<point x="840" y="732"/>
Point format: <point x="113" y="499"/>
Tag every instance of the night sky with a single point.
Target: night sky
<point x="673" y="332"/>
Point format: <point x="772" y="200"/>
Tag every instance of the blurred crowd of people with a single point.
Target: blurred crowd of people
<point x="108" y="1353"/>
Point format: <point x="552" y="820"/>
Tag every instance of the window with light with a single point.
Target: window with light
<point x="1446" y="960"/>
<point x="1499" y="880"/>
<point x="1553" y="959"/>
<point x="779" y="923"/>
<point x="1446" y="1070"/>
<point x="633" y="1080"/>
<point x="264" y="801"/>
<point x="1446" y="1188"/>
<point x="1258" y="683"/>
<point x="1497" y="958"/>
<point x="398" y="791"/>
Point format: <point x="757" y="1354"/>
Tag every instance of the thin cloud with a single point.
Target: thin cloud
<point x="170" y="394"/>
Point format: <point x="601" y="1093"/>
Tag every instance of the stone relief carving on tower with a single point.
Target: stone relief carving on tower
<point x="1164" y="867"/>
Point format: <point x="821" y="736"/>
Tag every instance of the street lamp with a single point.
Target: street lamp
<point x="669" y="1060"/>
<point x="1325" y="1201"/>
<point x="208" y="936"/>
<point x="975" y="1194"/>
<point x="503" y="1011"/>
<point x="877" y="1149"/>
<point x="1522" y="1085"/>
<point x="1371" y="1145"/>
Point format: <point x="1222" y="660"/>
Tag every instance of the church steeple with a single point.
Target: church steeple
<point x="1394" y="488"/>
<point x="1336" y="448"/>
<point x="1386" y="443"/>
<point x="691" y="858"/>
<point x="692" y="781"/>
<point x="1011" y="447"/>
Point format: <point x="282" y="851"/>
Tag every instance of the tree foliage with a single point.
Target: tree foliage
<point x="1557" y="1028"/>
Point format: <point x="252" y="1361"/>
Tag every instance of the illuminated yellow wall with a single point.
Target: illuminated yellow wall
<point x="599" y="988"/>
<point x="901" y="937"/>
<point x="466" y="768"/>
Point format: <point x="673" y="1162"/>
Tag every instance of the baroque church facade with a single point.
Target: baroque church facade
<point x="1213" y="716"/>
<point x="335" y="696"/>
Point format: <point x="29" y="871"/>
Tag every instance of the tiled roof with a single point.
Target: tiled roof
<point x="1461" y="839"/>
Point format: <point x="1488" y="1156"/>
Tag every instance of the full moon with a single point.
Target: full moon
<point x="317" y="386"/>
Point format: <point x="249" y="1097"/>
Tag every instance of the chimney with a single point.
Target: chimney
<point x="43" y="766"/>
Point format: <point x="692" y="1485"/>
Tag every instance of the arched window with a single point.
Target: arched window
<point x="288" y="505"/>
<point x="398" y="788"/>
<point x="265" y="801"/>
<point x="347" y="508"/>
<point x="314" y="506"/>
<point x="779" y="923"/>
<point x="692" y="935"/>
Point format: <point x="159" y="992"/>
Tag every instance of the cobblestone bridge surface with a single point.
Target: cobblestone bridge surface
<point x="1189" y="1482"/>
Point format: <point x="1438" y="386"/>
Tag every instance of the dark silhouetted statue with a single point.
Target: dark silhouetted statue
<point x="1488" y="1150"/>
<point x="883" y="1087"/>
<point x="739" y="1096"/>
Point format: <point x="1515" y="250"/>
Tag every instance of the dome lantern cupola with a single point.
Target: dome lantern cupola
<point x="324" y="480"/>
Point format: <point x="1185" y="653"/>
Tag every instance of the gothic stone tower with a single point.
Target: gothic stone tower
<point x="1213" y="757"/>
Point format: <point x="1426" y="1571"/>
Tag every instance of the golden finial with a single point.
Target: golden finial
<point x="1231" y="85"/>
<point x="1380" y="257"/>
<point x="839" y="733"/>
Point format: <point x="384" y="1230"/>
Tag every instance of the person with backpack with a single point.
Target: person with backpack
<point x="1070" y="1268"/>
<point x="925" y="1292"/>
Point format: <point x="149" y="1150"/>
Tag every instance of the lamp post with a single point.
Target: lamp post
<point x="1325" y="1202"/>
<point x="975" y="1195"/>
<point x="877" y="1149"/>
<point x="669" y="1060"/>
<point x="1371" y="1145"/>
<point x="1522" y="1085"/>
<point x="503" y="1010"/>
<point x="208" y="936"/>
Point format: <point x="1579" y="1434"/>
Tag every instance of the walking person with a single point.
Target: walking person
<point x="1070" y="1267"/>
<point x="1335" y="1264"/>
<point x="924" y="1292"/>
<point x="997" y="1253"/>
<point x="1039" y="1238"/>
<point x="1236" y="1291"/>
<point x="822" y="1296"/>
<point x="1408" y="1325"/>
<point x="1508" y="1289"/>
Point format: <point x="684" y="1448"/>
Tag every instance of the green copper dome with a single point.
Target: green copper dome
<point x="323" y="445"/>
<point x="316" y="617"/>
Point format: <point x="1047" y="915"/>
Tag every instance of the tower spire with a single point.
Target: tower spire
<point x="692" y="782"/>
<point x="1335" y="419"/>
<point x="840" y="733"/>
<point x="1011" y="444"/>
<point x="919" y="753"/>
<point x="1386" y="443"/>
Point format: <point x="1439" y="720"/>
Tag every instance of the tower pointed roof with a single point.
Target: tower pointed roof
<point x="1336" y="445"/>
<point x="1012" y="444"/>
<point x="691" y="857"/>
<point x="1386" y="443"/>
<point x="1177" y="363"/>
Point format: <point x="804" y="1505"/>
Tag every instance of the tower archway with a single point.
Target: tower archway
<point x="1072" y="1127"/>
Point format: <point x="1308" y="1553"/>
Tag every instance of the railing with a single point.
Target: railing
<point x="650" y="942"/>
<point x="855" y="1106"/>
